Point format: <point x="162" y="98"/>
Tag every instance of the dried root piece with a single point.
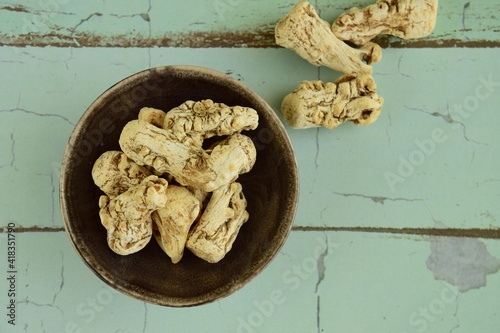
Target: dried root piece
<point x="153" y="116"/>
<point x="114" y="173"/>
<point x="304" y="32"/>
<point x="190" y="165"/>
<point x="227" y="160"/>
<point x="213" y="236"/>
<point x="156" y="147"/>
<point x="126" y="238"/>
<point x="174" y="221"/>
<point x="405" y="19"/>
<point x="159" y="148"/>
<point x="315" y="104"/>
<point x="138" y="202"/>
<point x="127" y="218"/>
<point x="370" y="52"/>
<point x="198" y="194"/>
<point x="205" y="119"/>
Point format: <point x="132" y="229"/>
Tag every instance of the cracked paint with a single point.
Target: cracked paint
<point x="33" y="229"/>
<point x="18" y="9"/>
<point x="145" y="324"/>
<point x="82" y="21"/>
<point x="466" y="5"/>
<point x="52" y="313"/>
<point x="47" y="28"/>
<point x="316" y="294"/>
<point x="25" y="163"/>
<point x="54" y="177"/>
<point x="27" y="301"/>
<point x="321" y="264"/>
<point x="318" y="313"/>
<point x="377" y="199"/>
<point x="400" y="60"/>
<point x="12" y="154"/>
<point x="466" y="137"/>
<point x="446" y="117"/>
<point x="38" y="114"/>
<point x="61" y="285"/>
<point x="449" y="119"/>
<point x="455" y="315"/>
<point x="463" y="262"/>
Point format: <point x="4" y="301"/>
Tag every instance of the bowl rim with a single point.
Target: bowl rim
<point x="164" y="300"/>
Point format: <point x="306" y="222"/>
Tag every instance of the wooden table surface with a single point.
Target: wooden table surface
<point x="397" y="228"/>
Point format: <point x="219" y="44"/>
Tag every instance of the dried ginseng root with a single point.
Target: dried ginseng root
<point x="213" y="236"/>
<point x="114" y="173"/>
<point x="127" y="217"/>
<point x="190" y="165"/>
<point x="350" y="98"/>
<point x="139" y="205"/>
<point x="205" y="119"/>
<point x="406" y="19"/>
<point x="172" y="223"/>
<point x="304" y="32"/>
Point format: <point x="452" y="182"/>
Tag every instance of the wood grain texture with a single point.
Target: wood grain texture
<point x="220" y="23"/>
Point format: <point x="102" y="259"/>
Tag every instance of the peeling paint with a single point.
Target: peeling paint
<point x="19" y="9"/>
<point x="34" y="229"/>
<point x="260" y="38"/>
<point x="321" y="264"/>
<point x="463" y="262"/>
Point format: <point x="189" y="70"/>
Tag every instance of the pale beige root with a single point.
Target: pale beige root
<point x="139" y="201"/>
<point x="213" y="236"/>
<point x="190" y="165"/>
<point x="114" y="173"/>
<point x="153" y="116"/>
<point x="155" y="147"/>
<point x="406" y="19"/>
<point x="174" y="221"/>
<point x="304" y="32"/>
<point x="123" y="236"/>
<point x="199" y="194"/>
<point x="127" y="217"/>
<point x="205" y="119"/>
<point x="370" y="52"/>
<point x="350" y="98"/>
<point x="227" y="160"/>
<point x="126" y="238"/>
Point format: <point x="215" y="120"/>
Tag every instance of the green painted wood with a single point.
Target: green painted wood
<point x="373" y="200"/>
<point x="392" y="175"/>
<point x="219" y="23"/>
<point x="320" y="282"/>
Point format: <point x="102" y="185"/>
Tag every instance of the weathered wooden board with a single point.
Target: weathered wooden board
<point x="392" y="176"/>
<point x="398" y="224"/>
<point x="219" y="23"/>
<point x="320" y="282"/>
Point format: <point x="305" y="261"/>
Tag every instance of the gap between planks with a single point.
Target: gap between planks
<point x="212" y="39"/>
<point x="436" y="232"/>
<point x="432" y="232"/>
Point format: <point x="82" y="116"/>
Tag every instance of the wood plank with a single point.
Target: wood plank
<point x="320" y="281"/>
<point x="344" y="184"/>
<point x="220" y="23"/>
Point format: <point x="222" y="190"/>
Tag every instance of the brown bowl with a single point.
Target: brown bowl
<point x="271" y="189"/>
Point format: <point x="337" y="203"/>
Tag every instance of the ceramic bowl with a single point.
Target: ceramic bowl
<point x="271" y="189"/>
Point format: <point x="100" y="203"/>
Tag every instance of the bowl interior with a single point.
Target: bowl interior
<point x="271" y="189"/>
